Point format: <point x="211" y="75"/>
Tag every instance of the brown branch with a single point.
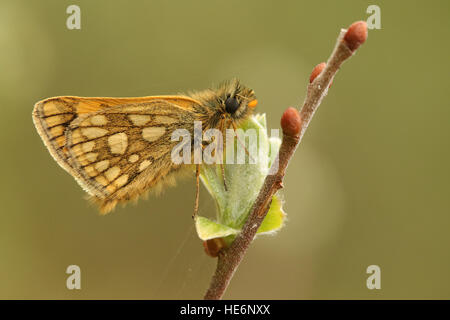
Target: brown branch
<point x="294" y="126"/>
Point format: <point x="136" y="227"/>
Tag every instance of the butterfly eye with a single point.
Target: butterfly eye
<point x="231" y="105"/>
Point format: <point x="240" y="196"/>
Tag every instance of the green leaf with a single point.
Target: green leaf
<point x="274" y="218"/>
<point x="207" y="229"/>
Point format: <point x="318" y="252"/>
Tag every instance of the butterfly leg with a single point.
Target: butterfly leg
<point x="197" y="190"/>
<point x="223" y="128"/>
<point x="222" y="168"/>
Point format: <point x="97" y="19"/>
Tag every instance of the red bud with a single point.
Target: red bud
<point x="356" y="35"/>
<point x="316" y="71"/>
<point x="213" y="246"/>
<point x="291" y="122"/>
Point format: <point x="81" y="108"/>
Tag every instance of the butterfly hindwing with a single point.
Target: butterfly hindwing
<point x="115" y="151"/>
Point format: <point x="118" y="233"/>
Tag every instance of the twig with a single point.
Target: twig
<point x="294" y="126"/>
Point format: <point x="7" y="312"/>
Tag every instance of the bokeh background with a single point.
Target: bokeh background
<point x="369" y="184"/>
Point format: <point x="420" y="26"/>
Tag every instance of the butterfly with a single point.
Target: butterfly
<point x="118" y="149"/>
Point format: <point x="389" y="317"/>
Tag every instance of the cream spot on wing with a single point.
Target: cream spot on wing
<point x="144" y="164"/>
<point x="55" y="107"/>
<point x="133" y="158"/>
<point x="88" y="146"/>
<point x="58" y="119"/>
<point x="111" y="188"/>
<point x="121" y="180"/>
<point x="139" y="119"/>
<point x="90" y="171"/>
<point x="85" y="123"/>
<point x="112" y="173"/>
<point x="165" y="119"/>
<point x="118" y="143"/>
<point x="102" y="180"/>
<point x="76" y="136"/>
<point x="99" y="120"/>
<point x="82" y="160"/>
<point x="92" y="133"/>
<point x="102" y="165"/>
<point x="91" y="156"/>
<point x="153" y="133"/>
<point x="77" y="150"/>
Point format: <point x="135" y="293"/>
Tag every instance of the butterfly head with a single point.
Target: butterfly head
<point x="236" y="100"/>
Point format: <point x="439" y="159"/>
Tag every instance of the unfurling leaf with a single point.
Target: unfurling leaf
<point x="244" y="182"/>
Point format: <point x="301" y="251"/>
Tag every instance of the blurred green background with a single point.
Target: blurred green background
<point x="369" y="184"/>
